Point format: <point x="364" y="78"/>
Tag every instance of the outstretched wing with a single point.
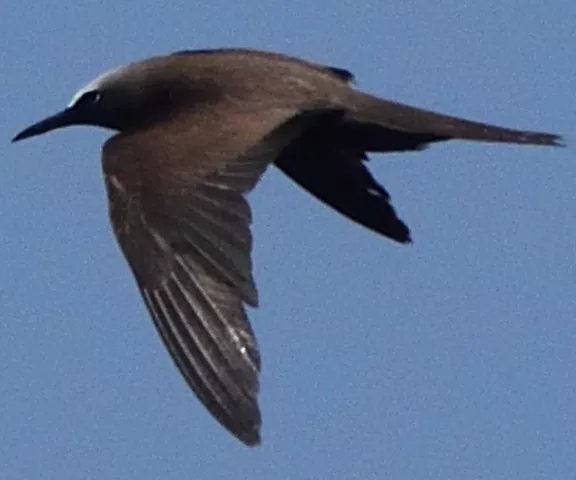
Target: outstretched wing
<point x="329" y="162"/>
<point x="183" y="224"/>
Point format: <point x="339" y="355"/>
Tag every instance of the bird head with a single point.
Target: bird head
<point x="130" y="97"/>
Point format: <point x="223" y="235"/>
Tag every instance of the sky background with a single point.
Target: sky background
<point x="453" y="358"/>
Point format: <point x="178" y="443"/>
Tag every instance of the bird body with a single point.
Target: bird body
<point x="195" y="131"/>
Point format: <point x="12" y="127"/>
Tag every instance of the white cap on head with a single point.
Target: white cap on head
<point x="96" y="83"/>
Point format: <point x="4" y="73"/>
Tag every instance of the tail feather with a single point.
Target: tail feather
<point x="403" y="118"/>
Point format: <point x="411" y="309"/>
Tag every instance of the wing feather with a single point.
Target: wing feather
<point x="186" y="236"/>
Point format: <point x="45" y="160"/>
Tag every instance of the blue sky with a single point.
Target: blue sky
<point x="452" y="358"/>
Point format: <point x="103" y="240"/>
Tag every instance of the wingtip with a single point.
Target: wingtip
<point x="251" y="439"/>
<point x="402" y="234"/>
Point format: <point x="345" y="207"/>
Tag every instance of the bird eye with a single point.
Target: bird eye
<point x="89" y="98"/>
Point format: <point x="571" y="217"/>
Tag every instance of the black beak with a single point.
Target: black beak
<point x="62" y="119"/>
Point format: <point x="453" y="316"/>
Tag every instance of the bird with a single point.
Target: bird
<point x="193" y="133"/>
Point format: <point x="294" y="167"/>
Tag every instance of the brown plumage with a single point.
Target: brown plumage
<point x="196" y="131"/>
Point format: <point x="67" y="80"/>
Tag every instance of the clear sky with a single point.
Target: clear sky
<point x="453" y="358"/>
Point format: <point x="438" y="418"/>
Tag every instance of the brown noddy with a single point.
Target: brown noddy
<point x="195" y="132"/>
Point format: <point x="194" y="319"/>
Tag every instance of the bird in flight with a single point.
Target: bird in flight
<point x="194" y="132"/>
